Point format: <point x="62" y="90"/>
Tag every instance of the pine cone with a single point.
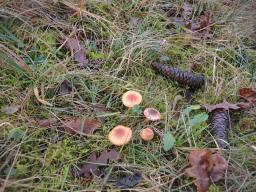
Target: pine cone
<point x="219" y="119"/>
<point x="183" y="77"/>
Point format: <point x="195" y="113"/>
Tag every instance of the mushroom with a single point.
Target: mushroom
<point x="147" y="134"/>
<point x="120" y="135"/>
<point x="131" y="98"/>
<point x="152" y="114"/>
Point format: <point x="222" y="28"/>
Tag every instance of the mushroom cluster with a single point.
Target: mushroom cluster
<point x="121" y="135"/>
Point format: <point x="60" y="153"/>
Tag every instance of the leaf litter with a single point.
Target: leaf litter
<point x="94" y="163"/>
<point x="224" y="105"/>
<point x="46" y="122"/>
<point x="65" y="88"/>
<point x="201" y="26"/>
<point x="248" y="94"/>
<point x="206" y="167"/>
<point x="81" y="126"/>
<point x="9" y="110"/>
<point x="129" y="181"/>
<point x="78" y="52"/>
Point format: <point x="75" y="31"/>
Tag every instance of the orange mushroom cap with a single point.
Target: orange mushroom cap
<point x="120" y="135"/>
<point x="147" y="134"/>
<point x="131" y="98"/>
<point x="152" y="114"/>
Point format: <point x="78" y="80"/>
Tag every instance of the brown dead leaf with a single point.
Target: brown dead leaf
<point x="219" y="166"/>
<point x="78" y="52"/>
<point x="201" y="26"/>
<point x="244" y="105"/>
<point x="65" y="88"/>
<point x="46" y="122"/>
<point x="205" y="21"/>
<point x="82" y="126"/>
<point x="10" y="109"/>
<point x="99" y="111"/>
<point x="93" y="163"/>
<point x="205" y="167"/>
<point x="224" y="105"/>
<point x="248" y="94"/>
<point x="184" y="18"/>
<point x="187" y="10"/>
<point x="199" y="169"/>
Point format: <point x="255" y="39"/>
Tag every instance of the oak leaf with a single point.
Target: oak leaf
<point x="86" y="126"/>
<point x="205" y="167"/>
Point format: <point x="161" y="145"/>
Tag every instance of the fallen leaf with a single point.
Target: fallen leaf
<point x="46" y="122"/>
<point x="243" y="105"/>
<point x="201" y="26"/>
<point x="198" y="160"/>
<point x="184" y="18"/>
<point x="205" y="167"/>
<point x="93" y="163"/>
<point x="228" y="2"/>
<point x="219" y="167"/>
<point x="205" y="21"/>
<point x="100" y="110"/>
<point x="82" y="126"/>
<point x="65" y="88"/>
<point x="180" y="21"/>
<point x="203" y="31"/>
<point x="249" y="94"/>
<point x="187" y="10"/>
<point x="10" y="109"/>
<point x="80" y="57"/>
<point x="78" y="52"/>
<point x="129" y="181"/>
<point x="224" y="105"/>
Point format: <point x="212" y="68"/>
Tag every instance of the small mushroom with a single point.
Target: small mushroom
<point x="131" y="98"/>
<point x="147" y="134"/>
<point x="120" y="135"/>
<point x="152" y="114"/>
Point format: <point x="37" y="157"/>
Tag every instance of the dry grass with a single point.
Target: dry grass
<point x="126" y="36"/>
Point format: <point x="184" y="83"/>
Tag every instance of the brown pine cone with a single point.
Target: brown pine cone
<point x="183" y="77"/>
<point x="219" y="119"/>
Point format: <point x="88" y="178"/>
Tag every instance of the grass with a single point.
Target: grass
<point x="124" y="36"/>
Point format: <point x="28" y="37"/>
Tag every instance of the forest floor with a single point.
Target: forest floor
<point x="63" y="61"/>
